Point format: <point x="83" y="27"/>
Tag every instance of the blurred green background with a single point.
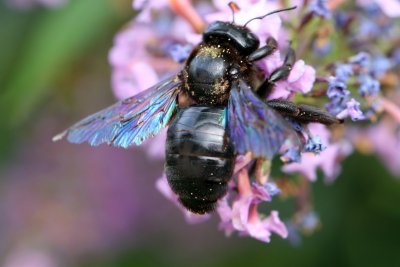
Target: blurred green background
<point x="66" y="205"/>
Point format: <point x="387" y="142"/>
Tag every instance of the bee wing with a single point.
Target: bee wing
<point x="129" y="121"/>
<point x="255" y="127"/>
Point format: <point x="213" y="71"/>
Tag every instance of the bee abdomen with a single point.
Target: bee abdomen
<point x="199" y="157"/>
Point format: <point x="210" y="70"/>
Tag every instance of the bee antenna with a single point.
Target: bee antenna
<point x="234" y="8"/>
<point x="273" y="12"/>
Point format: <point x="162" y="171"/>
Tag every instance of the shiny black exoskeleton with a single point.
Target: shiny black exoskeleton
<point x="199" y="157"/>
<point x="216" y="108"/>
<point x="199" y="154"/>
<point x="221" y="58"/>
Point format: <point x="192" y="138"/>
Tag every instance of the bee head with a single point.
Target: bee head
<point x="239" y="36"/>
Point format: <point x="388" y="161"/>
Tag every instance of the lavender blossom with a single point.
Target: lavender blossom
<point x="385" y="140"/>
<point x="368" y="86"/>
<point x="362" y="59"/>
<point x="337" y="88"/>
<point x="380" y="65"/>
<point x="352" y="110"/>
<point x="349" y="85"/>
<point x="314" y="145"/>
<point x="390" y="7"/>
<point x="344" y="72"/>
<point x="320" y="8"/>
<point x="327" y="159"/>
<point x="244" y="217"/>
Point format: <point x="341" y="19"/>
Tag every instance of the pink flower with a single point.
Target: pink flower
<point x="30" y="258"/>
<point x="132" y="72"/>
<point x="300" y="80"/>
<point x="328" y="160"/>
<point x="385" y="140"/>
<point x="390" y="7"/>
<point x="241" y="213"/>
<point x="243" y="216"/>
<point x="352" y="110"/>
<point x="147" y="7"/>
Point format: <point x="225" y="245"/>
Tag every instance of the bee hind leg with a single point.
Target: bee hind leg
<point x="279" y="74"/>
<point x="302" y="113"/>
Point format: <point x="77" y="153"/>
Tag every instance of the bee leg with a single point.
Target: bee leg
<point x="280" y="73"/>
<point x="264" y="51"/>
<point x="302" y="113"/>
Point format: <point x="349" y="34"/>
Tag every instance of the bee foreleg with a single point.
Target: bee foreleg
<point x="264" y="51"/>
<point x="302" y="113"/>
<point x="279" y="74"/>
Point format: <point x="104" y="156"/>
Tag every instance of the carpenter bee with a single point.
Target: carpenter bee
<point x="216" y="109"/>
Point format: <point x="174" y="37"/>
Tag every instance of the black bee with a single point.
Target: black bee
<point x="216" y="109"/>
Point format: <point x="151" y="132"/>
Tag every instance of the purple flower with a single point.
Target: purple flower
<point x="264" y="193"/>
<point x="300" y="80"/>
<point x="137" y="58"/>
<point x="390" y="7"/>
<point x="132" y="70"/>
<point x="368" y="29"/>
<point x="341" y="19"/>
<point x="368" y="86"/>
<point x="353" y="108"/>
<point x="380" y="65"/>
<point x="362" y="59"/>
<point x="396" y="56"/>
<point x="146" y="7"/>
<point x="320" y="8"/>
<point x="244" y="217"/>
<point x="344" y="72"/>
<point x="241" y="214"/>
<point x="337" y="88"/>
<point x="336" y="105"/>
<point x="309" y="221"/>
<point x="314" y="145"/>
<point x="327" y="160"/>
<point x="384" y="139"/>
<point x="179" y="52"/>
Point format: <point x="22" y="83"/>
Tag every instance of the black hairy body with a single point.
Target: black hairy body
<point x="199" y="157"/>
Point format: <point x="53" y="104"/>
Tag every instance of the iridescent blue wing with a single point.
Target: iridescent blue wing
<point x="129" y="121"/>
<point x="255" y="127"/>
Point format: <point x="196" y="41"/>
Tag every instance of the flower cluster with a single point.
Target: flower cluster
<point x="353" y="85"/>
